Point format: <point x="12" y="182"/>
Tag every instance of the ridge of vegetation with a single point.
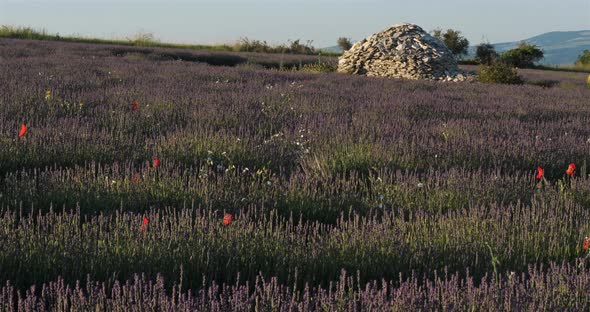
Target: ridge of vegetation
<point x="149" y="40"/>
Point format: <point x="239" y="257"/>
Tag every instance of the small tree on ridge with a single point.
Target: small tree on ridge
<point x="453" y="40"/>
<point x="485" y="53"/>
<point x="584" y="58"/>
<point x="344" y="43"/>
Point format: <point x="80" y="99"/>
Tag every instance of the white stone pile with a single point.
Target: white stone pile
<point x="402" y="51"/>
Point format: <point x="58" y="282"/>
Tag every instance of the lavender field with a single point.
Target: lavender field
<point x="119" y="168"/>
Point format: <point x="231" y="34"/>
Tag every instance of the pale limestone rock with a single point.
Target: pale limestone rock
<point x="402" y="51"/>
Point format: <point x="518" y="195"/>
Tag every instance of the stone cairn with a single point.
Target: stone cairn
<point x="402" y="51"/>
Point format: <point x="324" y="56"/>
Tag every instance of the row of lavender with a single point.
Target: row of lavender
<point x="556" y="288"/>
<point x="320" y="172"/>
<point x="107" y="188"/>
<point x="40" y="247"/>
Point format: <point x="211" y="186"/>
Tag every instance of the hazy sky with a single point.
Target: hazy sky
<point x="322" y="21"/>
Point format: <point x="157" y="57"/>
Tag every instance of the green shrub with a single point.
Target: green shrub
<point x="499" y="72"/>
<point x="319" y="67"/>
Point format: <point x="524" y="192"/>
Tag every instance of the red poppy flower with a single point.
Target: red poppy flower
<point x="144" y="226"/>
<point x="135" y="105"/>
<point x="571" y="169"/>
<point x="586" y="243"/>
<point x="136" y="179"/>
<point x="23" y="130"/>
<point x="156" y="162"/>
<point x="540" y="172"/>
<point x="227" y="219"/>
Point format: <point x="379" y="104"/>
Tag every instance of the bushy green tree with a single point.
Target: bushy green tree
<point x="584" y="58"/>
<point x="453" y="40"/>
<point x="344" y="43"/>
<point x="485" y="53"/>
<point x="525" y="55"/>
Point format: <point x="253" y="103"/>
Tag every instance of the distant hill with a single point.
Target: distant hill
<point x="560" y="47"/>
<point x="332" y="49"/>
